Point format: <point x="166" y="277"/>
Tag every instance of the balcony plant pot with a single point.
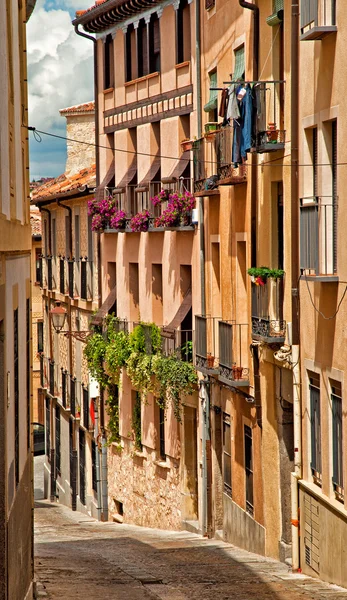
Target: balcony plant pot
<point x="272" y="132"/>
<point x="237" y="373"/>
<point x="210" y="361"/>
<point x="211" y="126"/>
<point x="187" y="145"/>
<point x="275" y="329"/>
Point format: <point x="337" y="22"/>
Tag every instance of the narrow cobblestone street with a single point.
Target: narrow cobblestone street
<point x="78" y="557"/>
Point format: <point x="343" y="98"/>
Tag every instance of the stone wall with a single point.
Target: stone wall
<point x="149" y="489"/>
<point x="80" y="156"/>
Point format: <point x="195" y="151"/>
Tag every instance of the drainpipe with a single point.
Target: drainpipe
<point x="103" y="460"/>
<point x="295" y="267"/>
<point x="97" y="462"/>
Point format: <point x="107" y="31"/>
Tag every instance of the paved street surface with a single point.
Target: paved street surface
<point x="80" y="558"/>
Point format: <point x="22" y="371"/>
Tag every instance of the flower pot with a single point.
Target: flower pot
<point x="237" y="372"/>
<point x="272" y="132"/>
<point x="211" y="126"/>
<point x="210" y="361"/>
<point x="187" y="145"/>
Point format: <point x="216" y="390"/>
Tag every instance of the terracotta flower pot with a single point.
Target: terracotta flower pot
<point x="187" y="145"/>
<point x="210" y="361"/>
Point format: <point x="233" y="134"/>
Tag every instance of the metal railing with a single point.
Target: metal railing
<point x="178" y="342"/>
<point x="71" y="278"/>
<point x="318" y="235"/>
<point x="62" y="275"/>
<point x="233" y="351"/>
<point x="206" y="342"/>
<point x="199" y="165"/>
<point x="51" y="378"/>
<point x="317" y="13"/>
<point x="269" y="97"/>
<point x="226" y="170"/>
<point x="267" y="311"/>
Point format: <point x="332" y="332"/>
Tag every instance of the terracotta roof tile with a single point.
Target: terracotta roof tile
<point x="79" y="13"/>
<point x="80" y="108"/>
<point x="65" y="183"/>
<point x="35" y="222"/>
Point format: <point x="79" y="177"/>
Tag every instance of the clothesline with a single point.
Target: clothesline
<point x="218" y="89"/>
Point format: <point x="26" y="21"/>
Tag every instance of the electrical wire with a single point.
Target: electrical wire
<point x="39" y="133"/>
<point x="319" y="311"/>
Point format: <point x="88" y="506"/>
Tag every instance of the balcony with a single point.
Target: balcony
<point x="233" y="354"/>
<point x="318" y="19"/>
<point x="178" y="342"/>
<point x="318" y="237"/>
<point x="270" y="135"/>
<point x="137" y="201"/>
<point x="267" y="307"/>
<point x="227" y="173"/>
<point x="62" y="275"/>
<point x="70" y="264"/>
<point x="86" y="271"/>
<point x="206" y="333"/>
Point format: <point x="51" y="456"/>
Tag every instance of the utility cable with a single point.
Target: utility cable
<point x="319" y="311"/>
<point x="39" y="132"/>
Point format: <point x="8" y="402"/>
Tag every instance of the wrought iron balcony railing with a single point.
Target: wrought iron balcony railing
<point x="267" y="310"/>
<point x="270" y="135"/>
<point x="318" y="19"/>
<point x="318" y="236"/>
<point x="227" y="173"/>
<point x="206" y="336"/>
<point x="233" y="353"/>
<point x="179" y="343"/>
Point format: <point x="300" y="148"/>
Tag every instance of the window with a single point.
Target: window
<point x="154" y="44"/>
<point x="40" y="336"/>
<point x="38" y="266"/>
<point x="142" y="49"/>
<point x="130" y="49"/>
<point x="336" y="401"/>
<point x="63" y="386"/>
<point x="94" y="470"/>
<point x="227" y="455"/>
<point x="315" y="420"/>
<point x="183" y="37"/>
<point x="73" y="396"/>
<point x="162" y="433"/>
<point x="315" y="161"/>
<point x="28" y="390"/>
<point x="211" y="106"/>
<point x="209" y="4"/>
<point x="108" y="63"/>
<point x="85" y="407"/>
<point x="77" y="238"/>
<point x="239" y="63"/>
<point x="334" y="188"/>
<point x="249" y="469"/>
<point x="57" y="440"/>
<point x="48" y="428"/>
<point x="82" y="453"/>
<point x="16" y="393"/>
<point x="136" y="422"/>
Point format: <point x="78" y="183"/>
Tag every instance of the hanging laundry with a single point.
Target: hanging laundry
<point x="243" y="125"/>
<point x="223" y="103"/>
<point x="233" y="111"/>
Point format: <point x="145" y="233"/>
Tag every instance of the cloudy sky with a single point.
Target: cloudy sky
<point x="60" y="74"/>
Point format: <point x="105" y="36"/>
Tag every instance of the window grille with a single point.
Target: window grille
<point x="315" y="419"/>
<point x="16" y="394"/>
<point x="57" y="440"/>
<point x="337" y="435"/>
<point x="249" y="469"/>
<point x="82" y="455"/>
<point x="227" y="455"/>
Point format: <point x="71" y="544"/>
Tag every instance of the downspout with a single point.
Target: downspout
<point x="254" y="175"/>
<point x="103" y="457"/>
<point x="295" y="266"/>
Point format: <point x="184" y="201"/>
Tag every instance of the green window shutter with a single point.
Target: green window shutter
<point x="212" y="103"/>
<point x="277" y="16"/>
<point x="239" y="69"/>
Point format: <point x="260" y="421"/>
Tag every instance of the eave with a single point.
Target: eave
<point x="103" y="16"/>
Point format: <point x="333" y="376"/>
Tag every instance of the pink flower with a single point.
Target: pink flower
<point x="140" y="221"/>
<point x="118" y="220"/>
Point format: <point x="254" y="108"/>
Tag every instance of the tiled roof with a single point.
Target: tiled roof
<point x="79" y="13"/>
<point x="65" y="184"/>
<point x="35" y="221"/>
<point x="79" y="108"/>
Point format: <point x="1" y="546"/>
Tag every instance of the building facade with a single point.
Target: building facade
<point x="16" y="499"/>
<point x="37" y="313"/>
<point x="69" y="279"/>
<point x="322" y="303"/>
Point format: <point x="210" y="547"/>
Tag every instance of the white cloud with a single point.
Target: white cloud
<point x="60" y="74"/>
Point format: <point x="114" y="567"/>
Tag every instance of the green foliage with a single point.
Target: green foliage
<point x="95" y="351"/>
<point x="140" y="353"/>
<point x="265" y="272"/>
<point x="136" y="423"/>
<point x="112" y="406"/>
<point x="174" y="377"/>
